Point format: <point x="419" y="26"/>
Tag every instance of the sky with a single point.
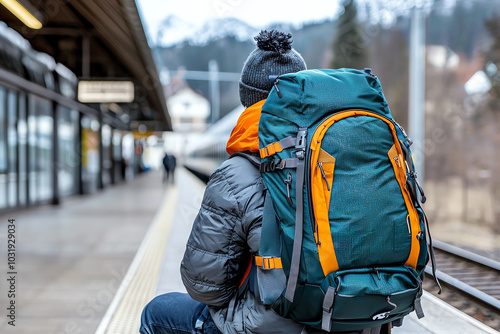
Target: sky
<point x="258" y="13"/>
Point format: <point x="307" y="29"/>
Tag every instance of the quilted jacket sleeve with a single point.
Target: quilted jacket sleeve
<point x="226" y="228"/>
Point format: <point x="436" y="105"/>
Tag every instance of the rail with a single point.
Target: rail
<point x="472" y="275"/>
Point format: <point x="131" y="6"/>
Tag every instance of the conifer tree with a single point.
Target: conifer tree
<point x="349" y="43"/>
<point x="492" y="63"/>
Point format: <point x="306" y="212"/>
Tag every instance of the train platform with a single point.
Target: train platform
<point x="91" y="264"/>
<point x="72" y="258"/>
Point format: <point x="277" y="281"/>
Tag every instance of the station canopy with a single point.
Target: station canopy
<point x="100" y="40"/>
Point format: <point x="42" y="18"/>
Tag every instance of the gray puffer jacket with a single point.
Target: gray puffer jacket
<point x="226" y="229"/>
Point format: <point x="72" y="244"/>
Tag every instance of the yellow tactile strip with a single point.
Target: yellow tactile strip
<point x="142" y="284"/>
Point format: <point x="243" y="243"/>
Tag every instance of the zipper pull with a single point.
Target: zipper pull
<point x="413" y="175"/>
<point x="410" y="142"/>
<point x="288" y="183"/>
<point x="317" y="233"/>
<point x="397" y="162"/>
<point x="422" y="194"/>
<point x="320" y="165"/>
<point x="277" y="89"/>
<point x="378" y="274"/>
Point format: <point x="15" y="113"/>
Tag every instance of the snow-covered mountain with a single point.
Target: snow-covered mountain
<point x="225" y="27"/>
<point x="175" y="30"/>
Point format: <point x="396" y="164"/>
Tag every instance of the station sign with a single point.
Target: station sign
<point x="93" y="91"/>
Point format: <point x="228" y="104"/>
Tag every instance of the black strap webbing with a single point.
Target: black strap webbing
<point x="431" y="252"/>
<point x="274" y="165"/>
<point x="253" y="159"/>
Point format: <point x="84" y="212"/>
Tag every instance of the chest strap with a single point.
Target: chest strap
<point x="274" y="165"/>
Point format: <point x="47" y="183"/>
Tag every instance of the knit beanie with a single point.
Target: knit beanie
<point x="273" y="56"/>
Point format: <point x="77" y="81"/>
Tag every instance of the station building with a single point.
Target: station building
<point x="79" y="93"/>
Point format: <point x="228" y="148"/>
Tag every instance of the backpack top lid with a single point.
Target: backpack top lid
<point x="307" y="96"/>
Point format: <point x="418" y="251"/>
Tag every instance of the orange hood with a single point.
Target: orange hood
<point x="245" y="134"/>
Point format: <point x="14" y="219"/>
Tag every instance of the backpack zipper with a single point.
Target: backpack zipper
<point x="413" y="175"/>
<point x="320" y="165"/>
<point x="331" y="264"/>
<point x="309" y="197"/>
<point x="276" y="86"/>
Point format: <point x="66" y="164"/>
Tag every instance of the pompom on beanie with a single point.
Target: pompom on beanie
<point x="273" y="56"/>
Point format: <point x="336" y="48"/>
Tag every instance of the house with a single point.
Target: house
<point x="188" y="109"/>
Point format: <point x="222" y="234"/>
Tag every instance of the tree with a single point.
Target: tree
<point x="349" y="43"/>
<point x="492" y="63"/>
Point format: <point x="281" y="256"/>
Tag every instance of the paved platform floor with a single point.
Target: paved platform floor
<point x="155" y="268"/>
<point x="441" y="318"/>
<point x="72" y="258"/>
<point x="190" y="196"/>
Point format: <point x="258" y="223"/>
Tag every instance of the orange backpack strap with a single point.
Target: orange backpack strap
<point x="278" y="146"/>
<point x="247" y="273"/>
<point x="268" y="262"/>
<point x="241" y="288"/>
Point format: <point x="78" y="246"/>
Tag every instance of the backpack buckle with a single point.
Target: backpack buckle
<point x="271" y="166"/>
<point x="280" y="165"/>
<point x="268" y="262"/>
<point x="300" y="144"/>
<point x="277" y="165"/>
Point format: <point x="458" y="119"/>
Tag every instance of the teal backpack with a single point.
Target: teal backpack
<point x="344" y="239"/>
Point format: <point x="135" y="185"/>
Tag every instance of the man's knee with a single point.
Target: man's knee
<point x="162" y="304"/>
<point x="156" y="312"/>
<point x="171" y="313"/>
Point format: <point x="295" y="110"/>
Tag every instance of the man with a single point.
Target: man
<point x="169" y="163"/>
<point x="227" y="228"/>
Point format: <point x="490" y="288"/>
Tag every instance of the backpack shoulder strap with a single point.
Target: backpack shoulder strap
<point x="253" y="159"/>
<point x="271" y="279"/>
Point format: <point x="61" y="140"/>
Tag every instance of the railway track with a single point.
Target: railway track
<point x="470" y="282"/>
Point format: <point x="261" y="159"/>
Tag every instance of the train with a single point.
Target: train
<point x="205" y="152"/>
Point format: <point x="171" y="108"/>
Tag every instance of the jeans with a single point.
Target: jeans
<point x="176" y="313"/>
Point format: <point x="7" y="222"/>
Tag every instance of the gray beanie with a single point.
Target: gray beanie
<point x="274" y="55"/>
